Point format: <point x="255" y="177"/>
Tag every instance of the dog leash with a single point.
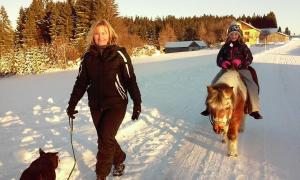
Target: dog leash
<point x="71" y="136"/>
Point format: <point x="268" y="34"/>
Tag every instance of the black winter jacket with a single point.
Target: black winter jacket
<point x="106" y="74"/>
<point x="235" y="50"/>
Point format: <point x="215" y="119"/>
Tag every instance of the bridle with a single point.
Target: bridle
<point x="228" y="108"/>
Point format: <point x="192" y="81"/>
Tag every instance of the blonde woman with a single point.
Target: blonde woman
<point x="107" y="74"/>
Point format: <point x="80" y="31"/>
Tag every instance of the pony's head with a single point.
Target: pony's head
<point x="220" y="102"/>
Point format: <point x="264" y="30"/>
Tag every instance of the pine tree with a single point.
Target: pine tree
<point x="167" y="35"/>
<point x="64" y="22"/>
<point x="84" y="20"/>
<point x="50" y="21"/>
<point x="58" y="21"/>
<point x="37" y="13"/>
<point x="202" y="31"/>
<point x="19" y="33"/>
<point x="265" y="21"/>
<point x="107" y="9"/>
<point x="71" y="5"/>
<point x="190" y="34"/>
<point x="210" y="36"/>
<point x="271" y="18"/>
<point x="6" y="32"/>
<point x="287" y="31"/>
<point x="30" y="31"/>
<point x="127" y="39"/>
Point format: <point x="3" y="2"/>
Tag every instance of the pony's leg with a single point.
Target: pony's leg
<point x="242" y="125"/>
<point x="224" y="138"/>
<point x="232" y="148"/>
<point x="233" y="139"/>
<point x="224" y="135"/>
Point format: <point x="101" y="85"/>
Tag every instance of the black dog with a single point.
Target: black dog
<point x="43" y="168"/>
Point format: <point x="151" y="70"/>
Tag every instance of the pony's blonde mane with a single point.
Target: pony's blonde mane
<point x="233" y="79"/>
<point x="217" y="98"/>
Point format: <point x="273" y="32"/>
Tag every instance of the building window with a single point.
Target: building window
<point x="247" y="40"/>
<point x="247" y="33"/>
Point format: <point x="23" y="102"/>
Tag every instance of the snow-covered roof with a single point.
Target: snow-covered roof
<point x="273" y="30"/>
<point x="201" y="43"/>
<point x="249" y="25"/>
<point x="183" y="44"/>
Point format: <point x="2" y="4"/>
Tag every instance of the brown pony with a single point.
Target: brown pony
<point x="226" y="101"/>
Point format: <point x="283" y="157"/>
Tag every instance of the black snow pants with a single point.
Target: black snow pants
<point x="107" y="122"/>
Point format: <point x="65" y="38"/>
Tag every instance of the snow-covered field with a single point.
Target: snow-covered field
<point x="171" y="140"/>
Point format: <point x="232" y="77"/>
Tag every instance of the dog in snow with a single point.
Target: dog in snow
<point x="43" y="168"/>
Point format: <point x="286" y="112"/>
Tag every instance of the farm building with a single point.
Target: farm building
<point x="271" y="35"/>
<point x="181" y="46"/>
<point x="250" y="33"/>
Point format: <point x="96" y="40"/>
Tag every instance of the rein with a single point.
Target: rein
<point x="71" y="136"/>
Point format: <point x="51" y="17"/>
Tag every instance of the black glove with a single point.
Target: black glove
<point x="71" y="111"/>
<point x="136" y="111"/>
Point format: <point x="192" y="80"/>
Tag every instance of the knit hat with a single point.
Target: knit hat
<point x="234" y="27"/>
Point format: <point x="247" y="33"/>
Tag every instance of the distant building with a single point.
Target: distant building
<point x="295" y="36"/>
<point x="250" y="33"/>
<point x="271" y="35"/>
<point x="181" y="46"/>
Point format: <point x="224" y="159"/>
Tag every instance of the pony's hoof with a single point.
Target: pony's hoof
<point x="232" y="155"/>
<point x="223" y="141"/>
<point x="241" y="130"/>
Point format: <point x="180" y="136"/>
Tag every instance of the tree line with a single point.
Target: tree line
<point x="265" y="21"/>
<point x="61" y="27"/>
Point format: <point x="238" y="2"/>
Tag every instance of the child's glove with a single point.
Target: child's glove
<point x="236" y="63"/>
<point x="226" y="64"/>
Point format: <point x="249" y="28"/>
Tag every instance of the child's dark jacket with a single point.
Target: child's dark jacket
<point x="235" y="50"/>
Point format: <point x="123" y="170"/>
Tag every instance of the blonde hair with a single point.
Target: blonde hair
<point x="113" y="37"/>
<point x="240" y="40"/>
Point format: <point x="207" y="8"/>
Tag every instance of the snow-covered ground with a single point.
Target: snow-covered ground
<point x="171" y="140"/>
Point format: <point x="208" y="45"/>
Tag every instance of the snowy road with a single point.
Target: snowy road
<point x="171" y="140"/>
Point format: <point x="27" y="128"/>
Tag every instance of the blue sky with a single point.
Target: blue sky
<point x="286" y="11"/>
